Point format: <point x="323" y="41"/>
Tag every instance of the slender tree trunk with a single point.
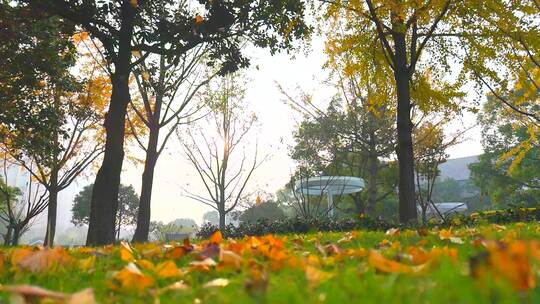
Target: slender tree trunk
<point x="119" y="222"/>
<point x="373" y="167"/>
<point x="7" y="236"/>
<point x="101" y="228"/>
<point x="16" y="235"/>
<point x="143" y="216"/>
<point x="358" y="203"/>
<point x="221" y="212"/>
<point x="52" y="209"/>
<point x="407" y="205"/>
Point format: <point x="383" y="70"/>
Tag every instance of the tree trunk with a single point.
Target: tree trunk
<point x="16" y="235"/>
<point x="7" y="236"/>
<point x="373" y="167"/>
<point x="404" y="150"/>
<point x="358" y="203"/>
<point x="221" y="212"/>
<point x="52" y="210"/>
<point x="104" y="204"/>
<point x="143" y="216"/>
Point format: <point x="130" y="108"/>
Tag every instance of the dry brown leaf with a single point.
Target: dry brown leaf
<point x="46" y="259"/>
<point x="229" y="258"/>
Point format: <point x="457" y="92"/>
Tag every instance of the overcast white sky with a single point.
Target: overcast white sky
<point x="277" y="123"/>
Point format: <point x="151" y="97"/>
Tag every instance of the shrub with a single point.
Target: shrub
<point x="303" y="225"/>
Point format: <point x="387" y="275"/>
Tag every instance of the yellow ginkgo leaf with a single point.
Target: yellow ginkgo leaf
<point x="167" y="269"/>
<point x="126" y="253"/>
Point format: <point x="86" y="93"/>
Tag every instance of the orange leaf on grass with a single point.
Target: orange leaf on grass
<point x="510" y="262"/>
<point x="216" y="238"/>
<point x="35" y="294"/>
<point x="126" y="252"/>
<point x="379" y="262"/>
<point x="130" y="278"/>
<point x="19" y="254"/>
<point x="46" y="259"/>
<point x="167" y="269"/>
<point x="229" y="258"/>
<point x="314" y="275"/>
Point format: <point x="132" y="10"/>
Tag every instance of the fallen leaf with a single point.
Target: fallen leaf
<point x="176" y="286"/>
<point x="126" y="252"/>
<point x="32" y="293"/>
<point x="379" y="262"/>
<point x="130" y="278"/>
<point x="314" y="276"/>
<point x="46" y="259"/>
<point x="167" y="269"/>
<point x="392" y="232"/>
<point x="85" y="296"/>
<point x="510" y="262"/>
<point x="229" y="258"/>
<point x="18" y="254"/>
<point x="219" y="282"/>
<point x="87" y="264"/>
<point x="203" y="265"/>
<point x="257" y="281"/>
<point x="216" y="238"/>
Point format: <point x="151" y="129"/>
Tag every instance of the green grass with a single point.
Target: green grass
<point x="352" y="279"/>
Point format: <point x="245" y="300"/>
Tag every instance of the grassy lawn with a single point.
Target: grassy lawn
<point x="486" y="264"/>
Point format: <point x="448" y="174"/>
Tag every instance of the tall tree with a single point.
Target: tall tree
<point x="505" y="63"/>
<point x="348" y="139"/>
<point x="403" y="32"/>
<point x="49" y="116"/>
<point x="128" y="203"/>
<point x="499" y="176"/>
<point x="21" y="209"/>
<point x="166" y="89"/>
<point x="169" y="28"/>
<point x="219" y="155"/>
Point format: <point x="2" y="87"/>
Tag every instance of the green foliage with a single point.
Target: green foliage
<point x="37" y="54"/>
<point x="128" y="203"/>
<point x="303" y="225"/>
<point x="268" y="210"/>
<point x="158" y="230"/>
<point x="502" y="180"/>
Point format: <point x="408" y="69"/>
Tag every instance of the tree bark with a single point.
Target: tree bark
<point x="404" y="150"/>
<point x="221" y="212"/>
<point x="143" y="216"/>
<point x="104" y="204"/>
<point x="52" y="209"/>
<point x="373" y="167"/>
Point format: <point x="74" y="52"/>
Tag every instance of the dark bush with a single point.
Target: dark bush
<point x="301" y="225"/>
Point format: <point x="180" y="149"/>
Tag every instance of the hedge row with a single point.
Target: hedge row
<point x="302" y="225"/>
